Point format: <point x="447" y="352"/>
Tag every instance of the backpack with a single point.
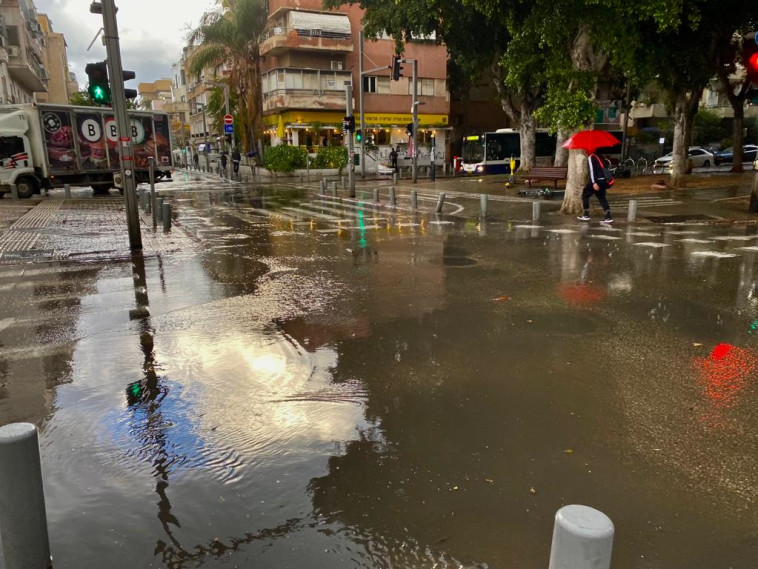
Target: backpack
<point x="605" y="172"/>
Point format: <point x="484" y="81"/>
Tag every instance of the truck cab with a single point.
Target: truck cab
<point x="16" y="157"/>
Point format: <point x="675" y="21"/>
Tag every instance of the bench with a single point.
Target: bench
<point x="554" y="173"/>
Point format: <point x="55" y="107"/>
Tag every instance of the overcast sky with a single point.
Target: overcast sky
<point x="152" y="33"/>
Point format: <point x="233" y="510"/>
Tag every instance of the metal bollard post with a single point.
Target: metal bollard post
<point x="14" y="191"/>
<point x="166" y="217"/>
<point x="394" y="178"/>
<point x="148" y="203"/>
<point x="376" y="194"/>
<point x="344" y="183"/>
<point x="153" y="204"/>
<point x="414" y="199"/>
<point x="141" y="197"/>
<point x="393" y="200"/>
<point x="440" y="203"/>
<point x="582" y="539"/>
<point x="158" y="210"/>
<point x="67" y="191"/>
<point x="483" y="205"/>
<point x="535" y="211"/>
<point x="23" y="520"/>
<point x="334" y="188"/>
<point x="632" y="213"/>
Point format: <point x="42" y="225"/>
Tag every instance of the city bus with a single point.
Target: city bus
<point x="491" y="152"/>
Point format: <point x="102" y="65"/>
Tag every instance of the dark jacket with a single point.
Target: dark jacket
<point x="597" y="176"/>
<point x="236" y="155"/>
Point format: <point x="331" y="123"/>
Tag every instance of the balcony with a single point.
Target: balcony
<point x="306" y="99"/>
<point x="280" y="40"/>
<point x="25" y="70"/>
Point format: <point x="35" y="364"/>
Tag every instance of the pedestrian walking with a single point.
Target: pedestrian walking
<point x="196" y="160"/>
<point x="223" y="163"/>
<point x="393" y="159"/>
<point x="236" y="161"/>
<point x="600" y="181"/>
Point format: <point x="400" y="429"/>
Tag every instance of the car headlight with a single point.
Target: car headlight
<point x="479" y="168"/>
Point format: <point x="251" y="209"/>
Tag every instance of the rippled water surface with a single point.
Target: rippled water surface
<point x="339" y="385"/>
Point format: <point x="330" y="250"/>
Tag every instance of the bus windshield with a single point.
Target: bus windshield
<point x="473" y="149"/>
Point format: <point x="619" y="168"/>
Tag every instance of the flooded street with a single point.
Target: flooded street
<point x="298" y="381"/>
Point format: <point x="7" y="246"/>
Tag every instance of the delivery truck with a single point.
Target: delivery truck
<point x="47" y="146"/>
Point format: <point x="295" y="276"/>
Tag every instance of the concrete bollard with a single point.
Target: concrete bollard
<point x="582" y="539"/>
<point x="440" y="203"/>
<point x="23" y="520"/>
<point x="14" y="191"/>
<point x="376" y="194"/>
<point x="148" y="203"/>
<point x="394" y="178"/>
<point x="344" y="183"/>
<point x="166" y="217"/>
<point x="414" y="199"/>
<point x="158" y="210"/>
<point x="483" y="205"/>
<point x="632" y="213"/>
<point x="393" y="199"/>
<point x="334" y="188"/>
<point x="535" y="211"/>
<point x="67" y="191"/>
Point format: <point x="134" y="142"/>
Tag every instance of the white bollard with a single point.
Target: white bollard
<point x="14" y="191"/>
<point x="632" y="213"/>
<point x="23" y="520"/>
<point x="67" y="191"/>
<point x="483" y="205"/>
<point x="535" y="211"/>
<point x="582" y="539"/>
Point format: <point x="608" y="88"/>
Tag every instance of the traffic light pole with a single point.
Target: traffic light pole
<point x="360" y="102"/>
<point x="350" y="149"/>
<point x="414" y="110"/>
<point x="118" y="98"/>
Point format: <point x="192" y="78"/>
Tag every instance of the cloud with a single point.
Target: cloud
<point x="151" y="32"/>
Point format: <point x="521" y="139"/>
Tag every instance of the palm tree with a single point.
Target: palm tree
<point x="229" y="35"/>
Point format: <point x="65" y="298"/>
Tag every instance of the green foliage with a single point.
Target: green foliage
<point x="284" y="158"/>
<point x="331" y="157"/>
<point x="566" y="110"/>
<point x="707" y="127"/>
<point x="82" y="99"/>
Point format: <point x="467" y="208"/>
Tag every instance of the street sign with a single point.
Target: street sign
<point x="228" y="129"/>
<point x="228" y="119"/>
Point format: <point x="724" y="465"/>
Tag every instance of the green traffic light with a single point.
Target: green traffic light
<point x="100" y="94"/>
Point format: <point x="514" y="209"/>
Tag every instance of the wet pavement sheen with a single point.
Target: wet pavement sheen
<point x="295" y="381"/>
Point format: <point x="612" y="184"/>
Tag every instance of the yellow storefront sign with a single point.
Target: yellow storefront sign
<point x="331" y="118"/>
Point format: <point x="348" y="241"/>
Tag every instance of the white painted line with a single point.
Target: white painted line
<point x="652" y="244"/>
<point x="716" y="254"/>
<point x="528" y="227"/>
<point x="735" y="237"/>
<point x="606" y="237"/>
<point x="691" y="240"/>
<point x="562" y="231"/>
<point x="643" y="234"/>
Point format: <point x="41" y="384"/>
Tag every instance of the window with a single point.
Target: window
<point x="12" y="32"/>
<point x="425" y="87"/>
<point x="10" y="145"/>
<point x="369" y="84"/>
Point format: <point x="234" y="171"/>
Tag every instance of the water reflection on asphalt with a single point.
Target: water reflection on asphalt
<point x="326" y="384"/>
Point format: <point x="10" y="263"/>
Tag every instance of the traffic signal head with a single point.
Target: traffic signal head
<point x="358" y="135"/>
<point x="750" y="57"/>
<point x="99" y="88"/>
<point x="397" y="69"/>
<point x="348" y="124"/>
<point x="409" y="129"/>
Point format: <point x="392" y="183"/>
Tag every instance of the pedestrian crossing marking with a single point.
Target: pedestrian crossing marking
<point x="653" y="244"/>
<point x="716" y="254"/>
<point x="691" y="240"/>
<point x="735" y="237"/>
<point x="606" y="237"/>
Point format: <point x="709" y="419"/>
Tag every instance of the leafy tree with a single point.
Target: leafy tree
<point x="706" y="128"/>
<point x="230" y="35"/>
<point x="82" y="99"/>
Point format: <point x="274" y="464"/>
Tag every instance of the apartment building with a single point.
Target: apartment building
<point x="310" y="54"/>
<point x="60" y="86"/>
<point x="154" y="96"/>
<point x="22" y="71"/>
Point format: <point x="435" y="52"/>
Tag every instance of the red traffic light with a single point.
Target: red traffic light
<point x="750" y="56"/>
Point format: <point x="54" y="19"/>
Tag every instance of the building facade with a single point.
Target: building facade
<point x="308" y="57"/>
<point x="22" y="71"/>
<point x="60" y="86"/>
<point x="154" y="96"/>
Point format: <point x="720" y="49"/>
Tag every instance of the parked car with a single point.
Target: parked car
<point x="749" y="153"/>
<point x="699" y="157"/>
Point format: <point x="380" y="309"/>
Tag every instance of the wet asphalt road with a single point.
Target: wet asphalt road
<point x="291" y="381"/>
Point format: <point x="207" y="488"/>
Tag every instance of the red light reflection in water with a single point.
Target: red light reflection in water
<point x="726" y="372"/>
<point x="582" y="294"/>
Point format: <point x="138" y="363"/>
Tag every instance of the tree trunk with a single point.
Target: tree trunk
<point x="577" y="177"/>
<point x="739" y="139"/>
<point x="679" y="162"/>
<point x="528" y="132"/>
<point x="561" y="154"/>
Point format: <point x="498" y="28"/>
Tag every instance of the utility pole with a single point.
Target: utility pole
<point x="414" y="110"/>
<point x="116" y="72"/>
<point x="350" y="150"/>
<point x="360" y="102"/>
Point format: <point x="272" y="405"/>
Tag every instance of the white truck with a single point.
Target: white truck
<point x="47" y="146"/>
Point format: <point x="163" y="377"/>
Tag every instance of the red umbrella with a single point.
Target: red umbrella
<point x="591" y="140"/>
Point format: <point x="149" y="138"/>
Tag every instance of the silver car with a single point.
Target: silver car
<point x="698" y="157"/>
